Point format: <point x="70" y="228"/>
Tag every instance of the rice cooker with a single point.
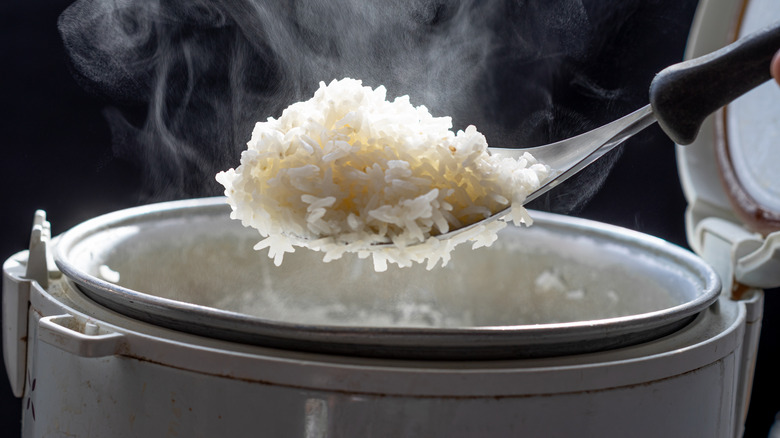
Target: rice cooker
<point x="161" y="320"/>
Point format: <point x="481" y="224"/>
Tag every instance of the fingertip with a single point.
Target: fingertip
<point x="775" y="67"/>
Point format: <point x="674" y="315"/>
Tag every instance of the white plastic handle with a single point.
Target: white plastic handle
<point x="82" y="339"/>
<point x="761" y="268"/>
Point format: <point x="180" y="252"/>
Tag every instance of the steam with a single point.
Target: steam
<point x="188" y="80"/>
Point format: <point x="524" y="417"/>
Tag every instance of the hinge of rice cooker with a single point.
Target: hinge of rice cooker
<point x="19" y="273"/>
<point x="743" y="259"/>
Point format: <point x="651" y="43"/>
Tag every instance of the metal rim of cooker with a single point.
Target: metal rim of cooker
<point x="467" y="343"/>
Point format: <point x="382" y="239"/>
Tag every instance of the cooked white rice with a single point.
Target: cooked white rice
<point x="348" y="169"/>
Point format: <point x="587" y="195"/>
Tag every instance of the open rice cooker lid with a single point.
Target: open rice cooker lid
<point x="561" y="286"/>
<point x="729" y="174"/>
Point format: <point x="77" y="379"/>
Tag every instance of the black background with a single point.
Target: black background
<point x="56" y="155"/>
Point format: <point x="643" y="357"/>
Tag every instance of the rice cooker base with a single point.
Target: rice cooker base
<point x="131" y="378"/>
<point x="81" y="367"/>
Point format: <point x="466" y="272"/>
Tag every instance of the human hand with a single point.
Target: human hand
<point x="775" y="67"/>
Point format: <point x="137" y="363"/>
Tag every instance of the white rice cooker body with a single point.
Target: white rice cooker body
<point x="86" y="370"/>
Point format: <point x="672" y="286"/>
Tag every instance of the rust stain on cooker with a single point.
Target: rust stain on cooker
<point x="738" y="290"/>
<point x="412" y="396"/>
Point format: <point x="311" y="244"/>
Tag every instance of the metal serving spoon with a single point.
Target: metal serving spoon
<point x="681" y="97"/>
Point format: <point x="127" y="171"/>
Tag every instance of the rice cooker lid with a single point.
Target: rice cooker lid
<point x="729" y="174"/>
<point x="732" y="166"/>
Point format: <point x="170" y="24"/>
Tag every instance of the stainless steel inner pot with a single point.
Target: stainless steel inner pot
<point x="561" y="286"/>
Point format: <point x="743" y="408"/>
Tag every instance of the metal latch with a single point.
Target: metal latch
<point x="743" y="259"/>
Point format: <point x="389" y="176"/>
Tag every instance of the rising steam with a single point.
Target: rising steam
<point x="188" y="79"/>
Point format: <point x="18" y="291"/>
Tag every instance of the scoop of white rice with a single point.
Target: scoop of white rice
<point x="348" y="169"/>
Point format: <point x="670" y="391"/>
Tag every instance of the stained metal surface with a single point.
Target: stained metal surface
<point x="562" y="286"/>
